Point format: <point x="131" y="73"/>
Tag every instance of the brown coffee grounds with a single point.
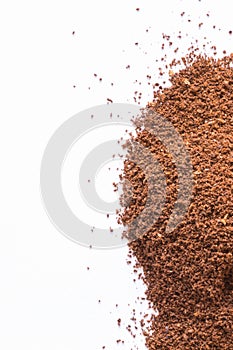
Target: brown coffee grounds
<point x="189" y="271"/>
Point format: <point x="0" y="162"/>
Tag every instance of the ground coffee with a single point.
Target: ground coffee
<point x="189" y="271"/>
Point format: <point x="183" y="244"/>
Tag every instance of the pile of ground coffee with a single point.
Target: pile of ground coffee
<point x="189" y="271"/>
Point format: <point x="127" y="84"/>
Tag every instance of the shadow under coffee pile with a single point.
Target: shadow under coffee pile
<point x="189" y="271"/>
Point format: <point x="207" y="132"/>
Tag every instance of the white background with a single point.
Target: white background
<point x="48" y="298"/>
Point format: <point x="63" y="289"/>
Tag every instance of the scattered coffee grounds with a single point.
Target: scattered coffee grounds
<point x="188" y="271"/>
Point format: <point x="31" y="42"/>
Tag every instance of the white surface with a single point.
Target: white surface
<point x="48" y="299"/>
<point x="72" y="165"/>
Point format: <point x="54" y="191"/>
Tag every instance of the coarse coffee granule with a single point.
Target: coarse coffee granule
<point x="189" y="271"/>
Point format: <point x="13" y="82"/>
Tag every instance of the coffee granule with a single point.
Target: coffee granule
<point x="189" y="271"/>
